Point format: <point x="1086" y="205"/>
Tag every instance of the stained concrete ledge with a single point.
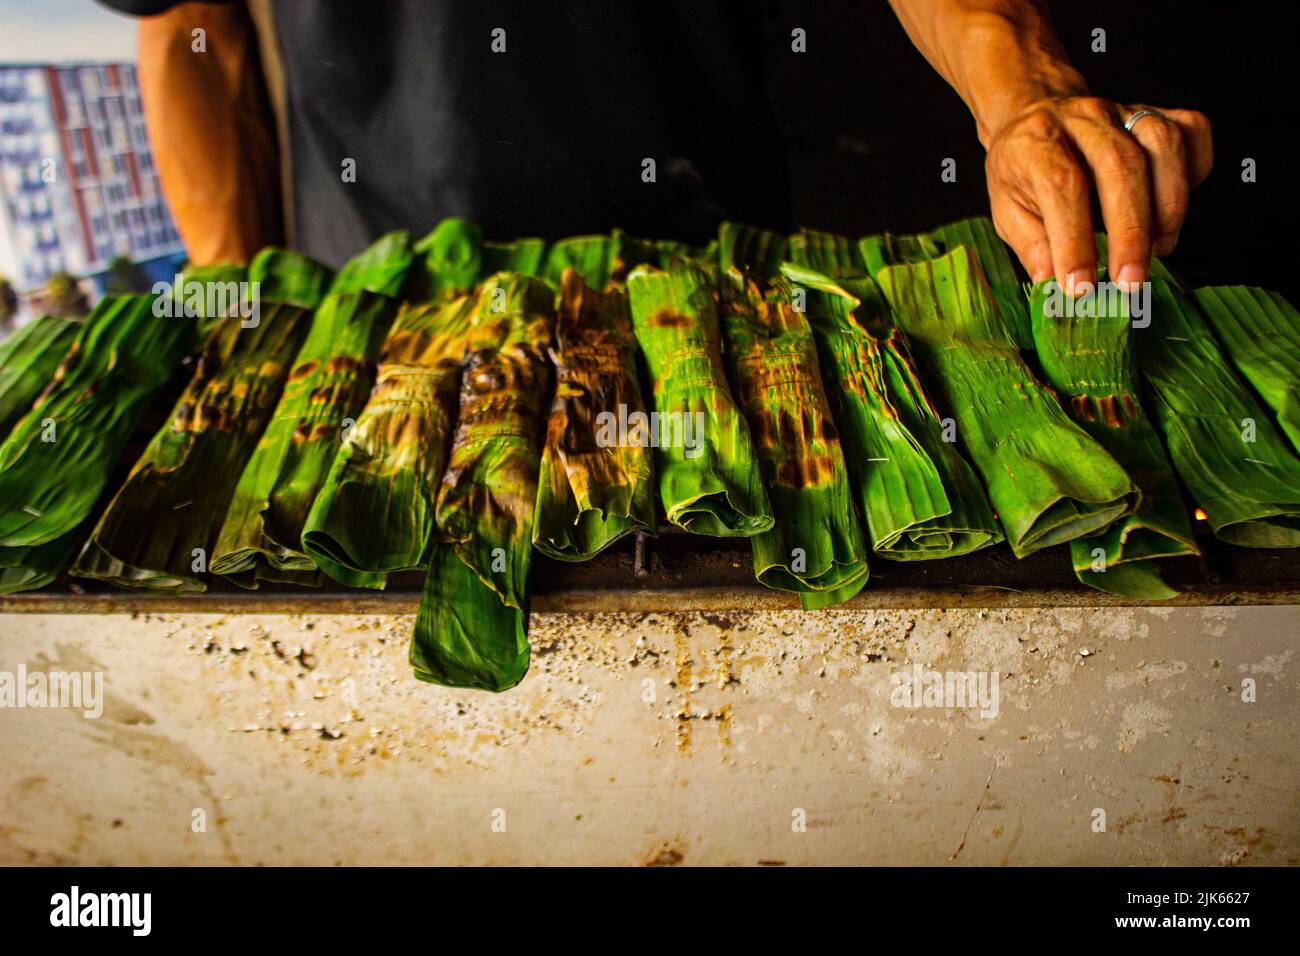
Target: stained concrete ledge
<point x="761" y="737"/>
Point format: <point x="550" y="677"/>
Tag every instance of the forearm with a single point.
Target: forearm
<point x="999" y="55"/>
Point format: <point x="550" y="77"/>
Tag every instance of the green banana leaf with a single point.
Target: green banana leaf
<point x="472" y="626"/>
<point x="58" y="458"/>
<point x="206" y="294"/>
<point x="159" y="529"/>
<point x="825" y="253"/>
<point x="1260" y="332"/>
<point x="749" y="249"/>
<point x="1048" y="480"/>
<point x="450" y="261"/>
<point x="1237" y="466"/>
<point x="1086" y="352"/>
<point x="523" y="256"/>
<point x="261" y="538"/>
<point x="815" y="546"/>
<point x="921" y="498"/>
<point x="591" y="257"/>
<point x="595" y="486"/>
<point x="28" y="360"/>
<point x="375" y="512"/>
<point x="976" y="233"/>
<point x="630" y="252"/>
<point x="709" y="479"/>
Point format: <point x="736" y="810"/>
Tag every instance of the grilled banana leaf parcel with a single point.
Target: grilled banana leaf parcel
<point x="55" y="462"/>
<point x="159" y="530"/>
<point x="709" y="478"/>
<point x="472" y="626"/>
<point x="750" y="249"/>
<point x="29" y="357"/>
<point x="375" y="512"/>
<point x="1048" y="480"/>
<point x="815" y="547"/>
<point x="921" y="498"/>
<point x="449" y="262"/>
<point x="1236" y="465"/>
<point x="825" y="253"/>
<point x="979" y="236"/>
<point x="1260" y="331"/>
<point x="1086" y="352"/>
<point x="327" y="386"/>
<point x="595" y="485"/>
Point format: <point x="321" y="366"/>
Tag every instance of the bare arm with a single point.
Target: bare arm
<point x="1048" y="141"/>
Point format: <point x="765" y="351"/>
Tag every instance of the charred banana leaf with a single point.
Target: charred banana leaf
<point x="327" y="386"/>
<point x="1237" y="466"/>
<point x="1260" y="331"/>
<point x="159" y="529"/>
<point x="709" y="479"/>
<point x="921" y="498"/>
<point x="375" y="512"/>
<point x="1048" y="480"/>
<point x="1086" y="352"/>
<point x="815" y="547"/>
<point x="472" y="626"/>
<point x="595" y="486"/>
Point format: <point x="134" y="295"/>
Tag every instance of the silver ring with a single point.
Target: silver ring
<point x="1140" y="114"/>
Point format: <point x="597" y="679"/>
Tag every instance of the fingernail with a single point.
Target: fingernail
<point x="1130" y="277"/>
<point x="1077" y="283"/>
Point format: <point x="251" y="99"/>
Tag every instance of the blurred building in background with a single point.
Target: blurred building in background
<point x="78" y="187"/>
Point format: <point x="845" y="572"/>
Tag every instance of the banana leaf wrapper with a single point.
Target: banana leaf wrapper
<point x="1236" y="464"/>
<point x="749" y="249"/>
<point x="1048" y="480"/>
<point x="159" y="529"/>
<point x="121" y="358"/>
<point x="826" y="253"/>
<point x="815" y="546"/>
<point x="472" y="626"/>
<point x="590" y="257"/>
<point x="709" y="479"/>
<point x="594" y="486"/>
<point x="630" y="252"/>
<point x="207" y="293"/>
<point x="28" y="360"/>
<point x="976" y="233"/>
<point x="449" y="261"/>
<point x="1260" y="332"/>
<point x="921" y="498"/>
<point x="327" y="387"/>
<point x="375" y="512"/>
<point x="1088" y="359"/>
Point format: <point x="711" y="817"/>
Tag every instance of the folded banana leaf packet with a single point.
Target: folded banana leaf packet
<point x="1260" y="332"/>
<point x="977" y="234"/>
<point x="28" y="360"/>
<point x="921" y="498"/>
<point x="159" y="529"/>
<point x="375" y="512"/>
<point x="1086" y="353"/>
<point x="1236" y="464"/>
<point x="709" y="478"/>
<point x="472" y="626"/>
<point x="759" y="251"/>
<point x="1048" y="480"/>
<point x="56" y="461"/>
<point x="327" y="387"/>
<point x="595" y="485"/>
<point x="815" y="546"/>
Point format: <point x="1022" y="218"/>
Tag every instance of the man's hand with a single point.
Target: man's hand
<point x="1049" y="143"/>
<point x="1042" y="162"/>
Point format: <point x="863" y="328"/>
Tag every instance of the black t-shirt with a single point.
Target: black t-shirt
<point x="549" y="137"/>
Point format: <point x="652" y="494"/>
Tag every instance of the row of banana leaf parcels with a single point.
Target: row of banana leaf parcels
<point x="445" y="405"/>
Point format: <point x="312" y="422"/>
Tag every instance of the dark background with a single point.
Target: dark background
<point x="868" y="121"/>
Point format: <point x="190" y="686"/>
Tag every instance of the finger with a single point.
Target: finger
<point x="1119" y="169"/>
<point x="1167" y="160"/>
<point x="1023" y="230"/>
<point x="1198" y="142"/>
<point x="1060" y="192"/>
